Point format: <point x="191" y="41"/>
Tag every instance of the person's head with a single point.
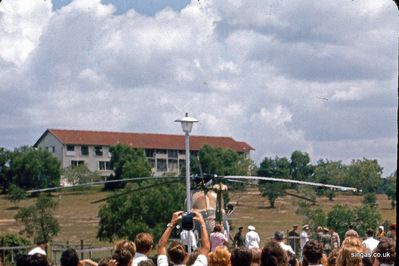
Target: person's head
<point x="144" y="242"/>
<point x="319" y="229"/>
<point x="146" y="263"/>
<point x="241" y="257"/>
<point x="295" y="227"/>
<point x="381" y="228"/>
<point x="325" y="230"/>
<point x="218" y="228"/>
<point x="313" y="252"/>
<point x="38" y="259"/>
<point x="279" y="236"/>
<point x="392" y="228"/>
<point x="306" y="227"/>
<point x="69" y="258"/>
<point x="386" y="246"/>
<point x="219" y="257"/>
<point x="351" y="233"/>
<point x="41" y="242"/>
<point x="273" y="255"/>
<point x="251" y="228"/>
<point x="332" y="258"/>
<point x="351" y="245"/>
<point x="176" y="252"/>
<point x="129" y="245"/>
<point x="240" y="229"/>
<point x="370" y="232"/>
<point x="123" y="257"/>
<point x="104" y="262"/>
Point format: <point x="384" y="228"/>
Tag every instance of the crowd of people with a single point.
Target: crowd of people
<point x="244" y="249"/>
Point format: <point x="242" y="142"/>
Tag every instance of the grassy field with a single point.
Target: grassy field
<point x="78" y="215"/>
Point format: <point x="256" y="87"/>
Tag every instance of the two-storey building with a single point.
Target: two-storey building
<point x="165" y="152"/>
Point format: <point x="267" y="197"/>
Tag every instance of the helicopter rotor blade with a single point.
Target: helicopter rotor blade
<point x="97" y="183"/>
<point x="136" y="189"/>
<point x="342" y="188"/>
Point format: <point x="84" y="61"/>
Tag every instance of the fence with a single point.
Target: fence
<point x="8" y="255"/>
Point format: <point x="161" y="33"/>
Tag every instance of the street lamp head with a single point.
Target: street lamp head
<point x="187" y="123"/>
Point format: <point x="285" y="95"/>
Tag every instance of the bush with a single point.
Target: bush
<point x="13" y="240"/>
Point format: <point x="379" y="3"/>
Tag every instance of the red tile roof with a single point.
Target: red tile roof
<point x="143" y="140"/>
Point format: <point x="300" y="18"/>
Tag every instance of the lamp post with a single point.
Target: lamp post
<point x="187" y="125"/>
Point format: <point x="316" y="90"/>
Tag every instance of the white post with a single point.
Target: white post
<point x="188" y="194"/>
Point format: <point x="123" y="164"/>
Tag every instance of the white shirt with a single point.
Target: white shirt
<point x="303" y="238"/>
<point x="184" y="238"/>
<point x="162" y="260"/>
<point x="139" y="257"/>
<point x="287" y="248"/>
<point x="370" y="243"/>
<point x="37" y="250"/>
<point x="252" y="240"/>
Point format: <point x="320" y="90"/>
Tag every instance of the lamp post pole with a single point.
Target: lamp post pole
<point x="187" y="125"/>
<point x="188" y="185"/>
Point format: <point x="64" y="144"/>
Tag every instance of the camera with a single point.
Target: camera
<point x="187" y="222"/>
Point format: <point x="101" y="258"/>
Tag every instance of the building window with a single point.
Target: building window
<point x="98" y="150"/>
<point x="182" y="152"/>
<point x="161" y="151"/>
<point x="172" y="154"/>
<point x="84" y="150"/>
<point x="150" y="153"/>
<point x="104" y="165"/>
<point x="70" y="148"/>
<point x="161" y="165"/>
<point x="51" y="149"/>
<point x="77" y="163"/>
<point x="172" y="165"/>
<point x="181" y="164"/>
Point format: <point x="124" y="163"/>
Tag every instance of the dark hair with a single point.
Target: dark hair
<point x="38" y="259"/>
<point x="146" y="263"/>
<point x="279" y="235"/>
<point x="369" y="232"/>
<point x="69" y="257"/>
<point x="122" y="256"/>
<point x="241" y="257"/>
<point x="273" y="255"/>
<point x="239" y="228"/>
<point x="176" y="252"/>
<point x="217" y="228"/>
<point x="23" y="260"/>
<point x="143" y="242"/>
<point x="313" y="251"/>
<point x="386" y="245"/>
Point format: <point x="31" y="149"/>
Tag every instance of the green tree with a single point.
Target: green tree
<point x="367" y="216"/>
<point x="365" y="175"/>
<point x="147" y="210"/>
<point x="300" y="167"/>
<point x="5" y="175"/>
<point x="34" y="168"/>
<point x="390" y="188"/>
<point x="38" y="220"/>
<point x="127" y="162"/>
<point x="221" y="162"/>
<point x="13" y="240"/>
<point x="330" y="172"/>
<point x="370" y="199"/>
<point x="277" y="168"/>
<point x="15" y="194"/>
<point x="340" y="217"/>
<point x="80" y="174"/>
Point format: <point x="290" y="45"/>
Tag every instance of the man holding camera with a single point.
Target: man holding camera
<point x="176" y="251"/>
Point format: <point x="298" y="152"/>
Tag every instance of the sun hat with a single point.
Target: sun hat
<point x="251" y="228"/>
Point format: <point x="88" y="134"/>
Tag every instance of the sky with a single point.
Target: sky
<point x="282" y="75"/>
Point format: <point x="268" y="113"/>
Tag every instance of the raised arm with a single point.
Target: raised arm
<point x="165" y="236"/>
<point x="204" y="249"/>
